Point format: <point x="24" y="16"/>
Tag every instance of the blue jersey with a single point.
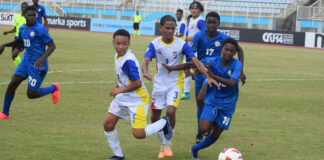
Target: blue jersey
<point x="226" y="97"/>
<point x="206" y="47"/>
<point x="35" y="39"/>
<point x="40" y="14"/>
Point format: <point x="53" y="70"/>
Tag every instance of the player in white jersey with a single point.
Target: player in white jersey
<point x="168" y="50"/>
<point x="196" y="24"/>
<point x="181" y="25"/>
<point x="131" y="100"/>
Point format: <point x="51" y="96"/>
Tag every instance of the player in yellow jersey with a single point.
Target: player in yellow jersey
<point x="19" y="21"/>
<point x="137" y="21"/>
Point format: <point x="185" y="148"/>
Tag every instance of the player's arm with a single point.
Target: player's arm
<point x="9" y="44"/>
<point x="39" y="64"/>
<point x="45" y="23"/>
<point x="131" y="70"/>
<point x="229" y="82"/>
<point x="240" y="54"/>
<point x="13" y="30"/>
<point x="150" y="53"/>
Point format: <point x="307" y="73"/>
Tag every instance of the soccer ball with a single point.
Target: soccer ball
<point x="230" y="154"/>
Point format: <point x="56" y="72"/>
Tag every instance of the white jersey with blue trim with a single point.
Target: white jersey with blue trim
<point x="133" y="98"/>
<point x="193" y="25"/>
<point x="170" y="54"/>
<point x="178" y="28"/>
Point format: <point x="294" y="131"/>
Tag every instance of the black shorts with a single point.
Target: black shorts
<point x="20" y="46"/>
<point x="136" y="26"/>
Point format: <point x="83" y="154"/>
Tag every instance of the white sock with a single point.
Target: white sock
<point x="162" y="139"/>
<point x="112" y="138"/>
<point x="154" y="127"/>
<point x="187" y="84"/>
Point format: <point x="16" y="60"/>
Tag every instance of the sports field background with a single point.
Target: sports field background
<point x="279" y="114"/>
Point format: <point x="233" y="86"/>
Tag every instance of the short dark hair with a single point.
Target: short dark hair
<point x="231" y="41"/>
<point x="199" y="5"/>
<point x="121" y="32"/>
<point x="24" y="3"/>
<point x="30" y="8"/>
<point x="167" y="18"/>
<point x="180" y="10"/>
<point x="213" y="14"/>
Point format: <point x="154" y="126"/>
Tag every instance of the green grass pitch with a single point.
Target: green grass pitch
<point x="279" y="114"/>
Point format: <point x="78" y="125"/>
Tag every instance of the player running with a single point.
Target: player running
<point x="34" y="65"/>
<point x="167" y="88"/>
<point x="208" y="43"/>
<point x="131" y="100"/>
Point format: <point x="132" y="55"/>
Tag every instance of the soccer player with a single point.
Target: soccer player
<point x="181" y="25"/>
<point x="196" y="24"/>
<point x="131" y="100"/>
<point x="41" y="14"/>
<point x="167" y="88"/>
<point x="220" y="102"/>
<point x="19" y="20"/>
<point x="208" y="43"/>
<point x="34" y="65"/>
<point x="137" y="20"/>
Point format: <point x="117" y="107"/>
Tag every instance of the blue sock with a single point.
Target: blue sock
<point x="199" y="112"/>
<point x="7" y="103"/>
<point x="203" y="144"/>
<point x="46" y="90"/>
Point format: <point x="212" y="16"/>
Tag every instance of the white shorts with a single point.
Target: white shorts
<point x="137" y="114"/>
<point x="162" y="99"/>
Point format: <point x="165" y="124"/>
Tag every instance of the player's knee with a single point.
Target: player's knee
<point x="108" y="126"/>
<point x="200" y="101"/>
<point x="32" y="95"/>
<point x="138" y="134"/>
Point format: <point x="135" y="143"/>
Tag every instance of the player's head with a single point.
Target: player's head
<point x="35" y="2"/>
<point x="196" y="8"/>
<point x="179" y="14"/>
<point x="30" y="15"/>
<point x="212" y="21"/>
<point x="229" y="48"/>
<point x="23" y="6"/>
<point x="137" y="13"/>
<point x="121" y="41"/>
<point x="167" y="26"/>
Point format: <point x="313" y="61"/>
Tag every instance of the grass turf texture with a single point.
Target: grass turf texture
<point x="279" y="112"/>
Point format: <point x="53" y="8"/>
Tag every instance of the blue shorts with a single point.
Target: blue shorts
<point x="35" y="76"/>
<point x="199" y="80"/>
<point x="221" y="117"/>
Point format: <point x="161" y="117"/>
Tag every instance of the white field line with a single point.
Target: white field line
<point x="80" y="70"/>
<point x="287" y="73"/>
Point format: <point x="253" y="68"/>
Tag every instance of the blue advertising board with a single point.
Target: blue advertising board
<point x="108" y="25"/>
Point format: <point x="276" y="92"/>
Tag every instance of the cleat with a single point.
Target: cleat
<point x="167" y="130"/>
<point x="194" y="154"/>
<point x="167" y="151"/>
<point x="161" y="153"/>
<point x="56" y="94"/>
<point x="185" y="96"/>
<point x="4" y="116"/>
<point x="199" y="138"/>
<point x="116" y="158"/>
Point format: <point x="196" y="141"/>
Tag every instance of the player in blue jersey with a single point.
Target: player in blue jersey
<point x="208" y="43"/>
<point x="220" y="102"/>
<point x="41" y="14"/>
<point x="34" y="65"/>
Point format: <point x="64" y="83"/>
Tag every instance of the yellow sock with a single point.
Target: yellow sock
<point x="17" y="61"/>
<point x="138" y="33"/>
<point x="134" y="33"/>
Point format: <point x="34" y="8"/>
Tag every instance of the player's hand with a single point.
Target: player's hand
<point x="209" y="71"/>
<point x="1" y="49"/>
<point x="169" y="68"/>
<point x="39" y="64"/>
<point x="147" y="76"/>
<point x="115" y="90"/>
<point x="242" y="78"/>
<point x="5" y="33"/>
<point x="211" y="81"/>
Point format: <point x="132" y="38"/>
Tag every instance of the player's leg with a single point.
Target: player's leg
<point x="10" y="94"/>
<point x="114" y="113"/>
<point x="15" y="56"/>
<point x="138" y="30"/>
<point x="186" y="85"/>
<point x="200" y="91"/>
<point x="135" y="30"/>
<point x="138" y="118"/>
<point x="35" y="80"/>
